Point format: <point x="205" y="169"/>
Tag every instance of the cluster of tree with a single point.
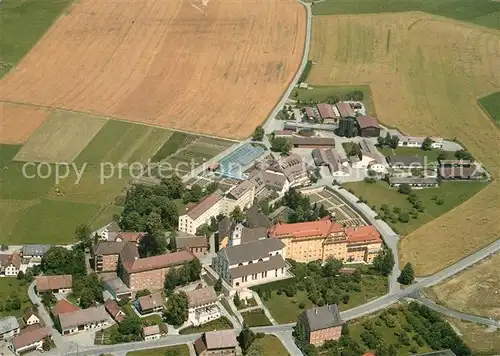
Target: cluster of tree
<point x="281" y="145"/>
<point x="12" y="302"/>
<point x="305" y="72"/>
<point x="258" y="134"/>
<point x="246" y="340"/>
<point x="152" y="244"/>
<point x="286" y="113"/>
<point x="352" y="149"/>
<point x="176" y="309"/>
<point x="209" y="229"/>
<point x="59" y="260"/>
<point x="196" y="193"/>
<point x="384" y="262"/>
<point x="437" y="200"/>
<point x="88" y="290"/>
<point x="407" y="275"/>
<point x="323" y="283"/>
<point x="427" y="144"/>
<point x="464" y="155"/>
<point x="388" y="141"/>
<point x="181" y="276"/>
<point x="128" y="330"/>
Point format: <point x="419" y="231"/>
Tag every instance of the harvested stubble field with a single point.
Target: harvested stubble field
<point x="217" y="71"/>
<point x="475" y="291"/>
<point x="424" y="87"/>
<point x="61" y="137"/>
<point x="18" y="122"/>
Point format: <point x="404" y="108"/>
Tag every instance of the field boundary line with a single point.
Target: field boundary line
<point x="110" y="117"/>
<point x="483" y="109"/>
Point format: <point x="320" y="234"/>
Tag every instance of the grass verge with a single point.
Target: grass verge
<point x="255" y="317"/>
<point x="222" y="323"/>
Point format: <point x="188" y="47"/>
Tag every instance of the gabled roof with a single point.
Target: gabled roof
<point x="82" y="317"/>
<point x="250" y="251"/>
<point x="405" y="161"/>
<point x="12" y="259"/>
<point x="188" y="242"/>
<point x="201" y="296"/>
<point x="151" y="301"/>
<point x="46" y="283"/>
<point x="130" y="236"/>
<point x="305" y="229"/>
<point x="8" y="324"/>
<point x="365" y="121"/>
<point x="345" y="110"/>
<point x="30" y="336"/>
<point x="320" y="318"/>
<point x="62" y="307"/>
<point x="256" y="218"/>
<point x="151" y="330"/>
<point x="157" y="262"/>
<point x="325" y="110"/>
<point x="28" y="313"/>
<point x="114" y="310"/>
<point x="109" y="248"/>
<point x="273" y="263"/>
<point x="220" y="339"/>
<point x="195" y="211"/>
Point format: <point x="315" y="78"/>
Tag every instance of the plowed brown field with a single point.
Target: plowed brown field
<point x="166" y="63"/>
<point x="18" y="122"/>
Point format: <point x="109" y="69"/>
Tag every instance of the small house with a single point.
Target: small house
<point x="221" y="342"/>
<point x="30" y="317"/>
<point x="114" y="310"/>
<point x="56" y="284"/>
<point x="321" y="324"/>
<point x="30" y="338"/>
<point x="83" y="320"/>
<point x="202" y="306"/>
<point x="151" y="332"/>
<point x="151" y="303"/>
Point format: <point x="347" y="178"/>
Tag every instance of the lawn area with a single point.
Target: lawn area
<point x="372" y="286"/>
<point x="7" y="153"/>
<point x="255" y="317"/>
<point x="123" y="142"/>
<point x="11" y="288"/>
<point x="480" y="339"/>
<point x="453" y="194"/>
<point x="219" y="324"/>
<point x="480" y="12"/>
<point x="247" y="303"/>
<point x="491" y="104"/>
<point x="321" y="93"/>
<point x="23" y="24"/>
<point x="284" y="309"/>
<point x="271" y="346"/>
<point x="175" y="142"/>
<point x="473" y="291"/>
<point x="182" y="350"/>
<point x="155" y="320"/>
<point x="15" y="185"/>
<point x="413" y="151"/>
<point x="105" y="216"/>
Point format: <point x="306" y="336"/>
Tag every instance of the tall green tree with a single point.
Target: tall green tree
<point x="427" y="144"/>
<point x="407" y="274"/>
<point x="258" y="134"/>
<point x="246" y="338"/>
<point x="152" y="245"/>
<point x="153" y="223"/>
<point x="237" y="215"/>
<point x="83" y="234"/>
<point x="384" y="262"/>
<point x="176" y="312"/>
<point x="59" y="260"/>
<point x="218" y="285"/>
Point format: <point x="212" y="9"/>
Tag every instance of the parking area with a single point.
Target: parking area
<point x="341" y="212"/>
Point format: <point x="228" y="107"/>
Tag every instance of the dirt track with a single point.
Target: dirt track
<point x="166" y="63"/>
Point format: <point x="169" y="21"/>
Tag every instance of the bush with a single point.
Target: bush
<point x="302" y="305"/>
<point x="404" y="217"/>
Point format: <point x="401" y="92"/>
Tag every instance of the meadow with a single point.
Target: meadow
<point x="423" y="87"/>
<point x="11" y="287"/>
<point x="479" y="12"/>
<point x="474" y="291"/>
<point x="491" y="105"/>
<point x="179" y="350"/>
<point x="23" y="24"/>
<point x="482" y="340"/>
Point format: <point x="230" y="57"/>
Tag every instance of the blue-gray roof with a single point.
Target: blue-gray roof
<point x="8" y="324"/>
<point x="35" y="250"/>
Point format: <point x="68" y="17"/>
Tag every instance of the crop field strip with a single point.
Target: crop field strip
<point x="18" y="122"/>
<point x="212" y="86"/>
<point x="491" y="105"/>
<point x="437" y="82"/>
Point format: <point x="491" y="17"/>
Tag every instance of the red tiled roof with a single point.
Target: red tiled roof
<point x="345" y="110"/>
<point x="114" y="310"/>
<point x="157" y="262"/>
<point x="195" y="211"/>
<point x="305" y="229"/>
<point x="365" y="121"/>
<point x="30" y="336"/>
<point x="130" y="236"/>
<point x="325" y="110"/>
<point x="362" y="234"/>
<point x="45" y="283"/>
<point x="63" y="307"/>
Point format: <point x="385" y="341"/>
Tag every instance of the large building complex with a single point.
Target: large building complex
<point x="319" y="240"/>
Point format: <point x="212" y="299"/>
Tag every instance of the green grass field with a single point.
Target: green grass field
<point x="480" y="12"/>
<point x="491" y="104"/>
<point x="413" y="151"/>
<point x="23" y="24"/>
<point x="123" y="142"/>
<point x="271" y="346"/>
<point x="453" y="194"/>
<point x="219" y="324"/>
<point x="255" y="317"/>
<point x="182" y="350"/>
<point x="175" y="142"/>
<point x="10" y="287"/>
<point x="321" y="93"/>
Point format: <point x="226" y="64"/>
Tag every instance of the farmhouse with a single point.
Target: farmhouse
<point x="114" y="310"/>
<point x="345" y="110"/>
<point x="197" y="245"/>
<point x="321" y="324"/>
<point x="368" y="126"/>
<point x="331" y="159"/>
<point x="82" y="320"/>
<point x="55" y="284"/>
<point x="253" y="263"/>
<point x="202" y="306"/>
<point x="416" y="182"/>
<point x="151" y="303"/>
<point x="10" y="264"/>
<point x="221" y="342"/>
<point x="30" y="339"/>
<point x="319" y="240"/>
<point x="405" y="161"/>
<point x="327" y="112"/>
<point x="34" y="251"/>
<point x="151" y="332"/>
<point x="312" y="142"/>
<point x="30" y="317"/>
<point x="62" y="307"/>
<point x="109" y="232"/>
<point x="9" y="327"/>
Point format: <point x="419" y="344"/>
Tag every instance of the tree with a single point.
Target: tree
<point x="152" y="245"/>
<point x="464" y="155"/>
<point x="20" y="275"/>
<point x="427" y="144"/>
<point x="153" y="223"/>
<point x="246" y="338"/>
<point x="258" y="134"/>
<point x="237" y="215"/>
<point x="255" y="350"/>
<point x="130" y="326"/>
<point x="384" y="262"/>
<point x="380" y="141"/>
<point x="59" y="260"/>
<point x="172" y="240"/>
<point x="48" y="299"/>
<point x="218" y="285"/>
<point x="345" y="329"/>
<point x="4" y="247"/>
<point x="46" y="344"/>
<point x="142" y="293"/>
<point x="281" y="144"/>
<point x="236" y="299"/>
<point x="407" y="275"/>
<point x="404" y="217"/>
<point x="194" y="268"/>
<point x="82" y="234"/>
<point x="88" y="290"/>
<point x="176" y="312"/>
<point x="393" y="142"/>
<point x="404" y="189"/>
